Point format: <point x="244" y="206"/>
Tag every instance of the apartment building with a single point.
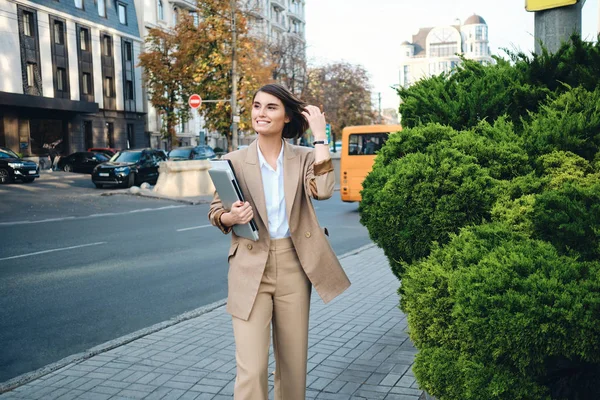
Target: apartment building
<point x="435" y="50"/>
<point x="164" y="14"/>
<point x="69" y="76"/>
<point x="282" y="23"/>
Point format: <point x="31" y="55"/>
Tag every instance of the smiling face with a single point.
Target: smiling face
<point x="268" y="115"/>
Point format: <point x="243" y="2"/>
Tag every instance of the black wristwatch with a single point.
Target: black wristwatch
<point x="320" y="142"/>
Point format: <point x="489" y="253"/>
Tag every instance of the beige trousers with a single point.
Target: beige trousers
<point x="283" y="300"/>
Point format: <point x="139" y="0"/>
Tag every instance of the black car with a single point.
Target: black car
<point x="81" y="161"/>
<point x="13" y="167"/>
<point x="128" y="168"/>
<point x="192" y="153"/>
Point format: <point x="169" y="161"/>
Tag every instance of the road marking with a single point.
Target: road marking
<point x="53" y="250"/>
<point x="90" y="216"/>
<point x="193" y="227"/>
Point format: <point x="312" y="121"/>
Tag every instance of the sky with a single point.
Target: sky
<point x="369" y="32"/>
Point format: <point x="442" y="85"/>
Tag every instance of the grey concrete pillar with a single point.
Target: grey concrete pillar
<point x="555" y="26"/>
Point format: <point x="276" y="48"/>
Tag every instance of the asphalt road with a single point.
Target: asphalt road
<point x="78" y="269"/>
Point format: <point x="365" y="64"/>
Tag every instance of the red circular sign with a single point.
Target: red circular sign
<point x="195" y="101"/>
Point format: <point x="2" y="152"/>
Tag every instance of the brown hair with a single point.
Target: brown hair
<point x="293" y="109"/>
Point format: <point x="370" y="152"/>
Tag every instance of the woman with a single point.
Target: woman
<point x="270" y="279"/>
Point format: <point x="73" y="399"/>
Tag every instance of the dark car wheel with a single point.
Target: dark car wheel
<point x="28" y="180"/>
<point x="99" y="185"/>
<point x="130" y="180"/>
<point x="5" y="176"/>
<point x="68" y="168"/>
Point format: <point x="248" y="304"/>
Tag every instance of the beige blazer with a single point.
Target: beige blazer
<point x="302" y="179"/>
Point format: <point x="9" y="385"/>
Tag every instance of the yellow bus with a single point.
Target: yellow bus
<point x="359" y="146"/>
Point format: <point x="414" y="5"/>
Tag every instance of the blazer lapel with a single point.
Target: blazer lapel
<point x="291" y="176"/>
<point x="253" y="178"/>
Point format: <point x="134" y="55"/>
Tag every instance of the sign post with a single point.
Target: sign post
<point x="195" y="101"/>
<point x="554" y="22"/>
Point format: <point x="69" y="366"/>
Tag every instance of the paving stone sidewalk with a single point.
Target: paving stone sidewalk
<point x="358" y="349"/>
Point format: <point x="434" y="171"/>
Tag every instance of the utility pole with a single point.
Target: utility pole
<point x="379" y="100"/>
<point x="553" y="26"/>
<point x="234" y="79"/>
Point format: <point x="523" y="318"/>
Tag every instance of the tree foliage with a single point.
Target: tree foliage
<point x="165" y="65"/>
<point x="475" y="92"/>
<point x="198" y="58"/>
<point x="344" y="92"/>
<point x="211" y="44"/>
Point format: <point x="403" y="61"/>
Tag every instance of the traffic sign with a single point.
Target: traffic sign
<point x="328" y="132"/>
<point x="539" y="5"/>
<point x="195" y="101"/>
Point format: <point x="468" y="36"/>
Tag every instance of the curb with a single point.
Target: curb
<point x="112" y="344"/>
<point x="141" y="193"/>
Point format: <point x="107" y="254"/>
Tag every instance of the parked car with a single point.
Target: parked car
<point x="81" y="161"/>
<point x="105" y="150"/>
<point x="13" y="167"/>
<point x="192" y="153"/>
<point x="128" y="168"/>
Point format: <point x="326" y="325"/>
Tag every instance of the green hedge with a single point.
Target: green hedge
<point x="487" y="205"/>
<point x="498" y="315"/>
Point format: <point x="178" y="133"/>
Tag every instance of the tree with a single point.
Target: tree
<point x="344" y="92"/>
<point x="210" y="45"/>
<point x="165" y="65"/>
<point x="288" y="56"/>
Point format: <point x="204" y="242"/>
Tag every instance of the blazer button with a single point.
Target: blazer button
<point x="249" y="246"/>
<point x="307" y="234"/>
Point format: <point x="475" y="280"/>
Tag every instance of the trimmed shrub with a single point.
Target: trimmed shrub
<point x="422" y="198"/>
<point x="570" y="123"/>
<point x="497" y="315"/>
<point x="474" y="92"/>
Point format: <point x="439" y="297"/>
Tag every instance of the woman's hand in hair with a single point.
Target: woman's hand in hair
<point x="316" y="121"/>
<point x="241" y="213"/>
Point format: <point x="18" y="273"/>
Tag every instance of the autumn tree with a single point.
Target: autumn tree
<point x="210" y="46"/>
<point x="166" y="62"/>
<point x="344" y="92"/>
<point x="288" y="55"/>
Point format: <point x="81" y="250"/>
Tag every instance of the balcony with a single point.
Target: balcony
<point x="280" y="4"/>
<point x="186" y="4"/>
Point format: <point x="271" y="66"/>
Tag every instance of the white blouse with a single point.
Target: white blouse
<point x="274" y="196"/>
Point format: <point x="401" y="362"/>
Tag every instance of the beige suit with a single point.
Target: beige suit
<point x="270" y="280"/>
<point x="247" y="259"/>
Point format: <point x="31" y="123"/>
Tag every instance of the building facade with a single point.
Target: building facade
<point x="282" y="23"/>
<point x="164" y="14"/>
<point x="70" y="76"/>
<point x="436" y="50"/>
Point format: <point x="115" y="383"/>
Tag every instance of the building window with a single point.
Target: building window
<point x="84" y="39"/>
<point x="406" y="76"/>
<point x="27" y="23"/>
<point x="30" y="74"/>
<point x="480" y="32"/>
<point x="128" y="52"/>
<point x="443" y="49"/>
<point x="106" y="46"/>
<point x="61" y="79"/>
<point x="86" y="83"/>
<point x="59" y="32"/>
<point x="128" y="90"/>
<point x="101" y="8"/>
<point x="122" y="8"/>
<point x="161" y="11"/>
<point x="194" y="15"/>
<point x="79" y="4"/>
<point x="108" y="87"/>
<point x="130" y="136"/>
<point x="175" y="15"/>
